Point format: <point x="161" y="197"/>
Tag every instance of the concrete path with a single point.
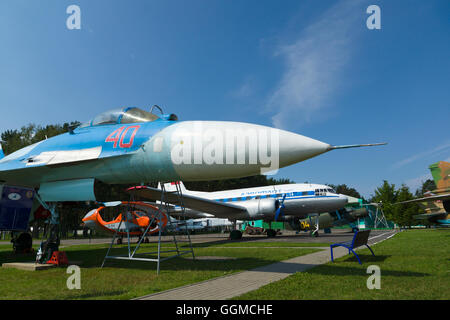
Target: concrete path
<point x="230" y="286"/>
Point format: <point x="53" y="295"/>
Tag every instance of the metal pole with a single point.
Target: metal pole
<point x="183" y="210"/>
<point x="143" y="235"/>
<point x="159" y="251"/>
<point x="110" y="246"/>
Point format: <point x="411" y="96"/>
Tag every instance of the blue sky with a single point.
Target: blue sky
<point x="312" y="67"/>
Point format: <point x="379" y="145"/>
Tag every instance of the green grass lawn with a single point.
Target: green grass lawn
<point x="414" y="264"/>
<point x="125" y="279"/>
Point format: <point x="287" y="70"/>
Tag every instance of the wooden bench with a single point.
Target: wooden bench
<point x="359" y="239"/>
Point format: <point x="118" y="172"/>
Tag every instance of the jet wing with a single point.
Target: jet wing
<point x="429" y="216"/>
<point x="428" y="199"/>
<point x="216" y="208"/>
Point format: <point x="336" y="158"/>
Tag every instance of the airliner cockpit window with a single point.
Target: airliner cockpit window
<point x="320" y="192"/>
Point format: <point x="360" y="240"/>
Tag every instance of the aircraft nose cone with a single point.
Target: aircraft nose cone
<point x="202" y="150"/>
<point x="294" y="148"/>
<point x="343" y="199"/>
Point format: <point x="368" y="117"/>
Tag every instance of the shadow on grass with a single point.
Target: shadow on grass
<point x="298" y="238"/>
<point x="9" y="256"/>
<point x="336" y="270"/>
<point x="365" y="258"/>
<point x="93" y="258"/>
<point x="103" y="294"/>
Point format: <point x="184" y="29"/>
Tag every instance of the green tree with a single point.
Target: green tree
<point x="428" y="185"/>
<point x="344" y="189"/>
<point x="13" y="140"/>
<point x="238" y="183"/>
<point x="386" y="194"/>
<point x="404" y="212"/>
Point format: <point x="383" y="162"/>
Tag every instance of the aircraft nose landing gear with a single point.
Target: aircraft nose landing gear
<point x="48" y="246"/>
<point x="52" y="243"/>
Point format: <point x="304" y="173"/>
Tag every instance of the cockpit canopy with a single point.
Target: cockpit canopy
<point x="125" y="116"/>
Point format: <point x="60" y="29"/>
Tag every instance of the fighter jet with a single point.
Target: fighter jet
<point x="436" y="203"/>
<point x="343" y="216"/>
<point x="131" y="145"/>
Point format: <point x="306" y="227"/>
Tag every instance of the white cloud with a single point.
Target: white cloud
<point x="430" y="154"/>
<point x="314" y="63"/>
<point x="246" y="89"/>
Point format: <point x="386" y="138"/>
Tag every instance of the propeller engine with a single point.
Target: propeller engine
<point x="280" y="206"/>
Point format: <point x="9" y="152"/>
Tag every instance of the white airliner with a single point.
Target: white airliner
<point x="197" y="224"/>
<point x="270" y="203"/>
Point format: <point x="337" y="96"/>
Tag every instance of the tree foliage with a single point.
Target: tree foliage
<point x="428" y="185"/>
<point x="13" y="140"/>
<point x="238" y="183"/>
<point x="388" y="196"/>
<point x="344" y="189"/>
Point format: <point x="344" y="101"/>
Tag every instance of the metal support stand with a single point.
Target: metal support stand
<point x="380" y="220"/>
<point x="158" y="217"/>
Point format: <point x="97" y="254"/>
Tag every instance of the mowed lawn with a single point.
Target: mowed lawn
<point x="125" y="279"/>
<point x="414" y="264"/>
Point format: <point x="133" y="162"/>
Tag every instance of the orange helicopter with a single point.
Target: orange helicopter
<point x="134" y="221"/>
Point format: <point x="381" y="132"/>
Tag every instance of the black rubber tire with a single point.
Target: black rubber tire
<point x="271" y="233"/>
<point x="235" y="235"/>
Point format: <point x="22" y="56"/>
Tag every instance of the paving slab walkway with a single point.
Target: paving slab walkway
<point x="236" y="284"/>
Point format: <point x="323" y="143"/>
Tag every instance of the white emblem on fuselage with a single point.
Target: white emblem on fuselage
<point x="14" y="196"/>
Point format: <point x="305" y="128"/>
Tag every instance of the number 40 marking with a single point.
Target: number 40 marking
<point x="117" y="136"/>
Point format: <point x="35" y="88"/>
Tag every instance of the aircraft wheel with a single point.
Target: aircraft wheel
<point x="271" y="233"/>
<point x="446" y="205"/>
<point x="235" y="235"/>
<point x="23" y="243"/>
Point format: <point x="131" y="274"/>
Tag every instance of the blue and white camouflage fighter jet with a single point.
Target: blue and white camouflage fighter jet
<point x="132" y="145"/>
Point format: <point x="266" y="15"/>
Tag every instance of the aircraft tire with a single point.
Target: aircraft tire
<point x="446" y="205"/>
<point x="271" y="233"/>
<point x="23" y="243"/>
<point x="235" y="235"/>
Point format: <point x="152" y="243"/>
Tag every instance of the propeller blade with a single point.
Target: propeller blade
<point x="280" y="207"/>
<point x="277" y="213"/>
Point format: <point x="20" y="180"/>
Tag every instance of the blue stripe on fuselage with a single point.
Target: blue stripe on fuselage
<point x="291" y="198"/>
<point x="278" y="198"/>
